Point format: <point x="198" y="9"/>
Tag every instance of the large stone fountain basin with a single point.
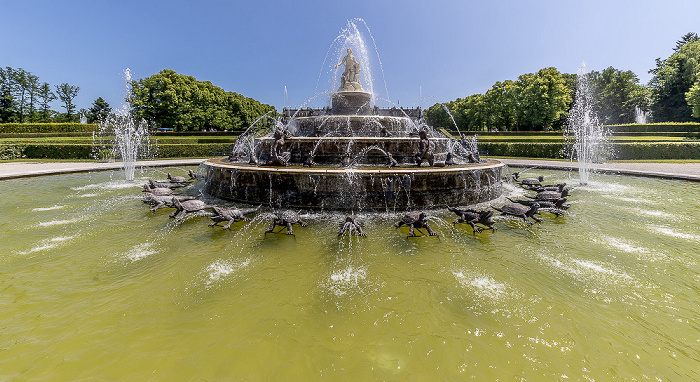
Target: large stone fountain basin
<point x="358" y="189"/>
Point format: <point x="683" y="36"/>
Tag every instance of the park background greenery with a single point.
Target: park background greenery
<point x="521" y="118"/>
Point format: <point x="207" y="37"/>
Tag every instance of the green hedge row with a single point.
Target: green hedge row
<point x="23" y="128"/>
<point x="522" y="149"/>
<point x="194" y="150"/>
<point x="657" y="150"/>
<point x="86" y="151"/>
<point x="620" y="150"/>
<point x="685" y="127"/>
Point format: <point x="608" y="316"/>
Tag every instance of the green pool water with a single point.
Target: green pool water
<point x="94" y="286"/>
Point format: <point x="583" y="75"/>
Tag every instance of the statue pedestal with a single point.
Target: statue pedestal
<point x="351" y="103"/>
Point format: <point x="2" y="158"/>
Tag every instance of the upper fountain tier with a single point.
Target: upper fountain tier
<point x="351" y="98"/>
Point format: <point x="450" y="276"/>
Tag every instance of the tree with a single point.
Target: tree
<point x="7" y="101"/>
<point x="46" y="96"/>
<point x="545" y="98"/>
<point x="617" y="94"/>
<point x="501" y="104"/>
<point x="673" y="78"/>
<point x="32" y="90"/>
<point x="20" y="78"/>
<point x="688" y="37"/>
<point x="439" y="115"/>
<point x="98" y="111"/>
<point x="168" y="99"/>
<point x="693" y="98"/>
<point x="66" y="93"/>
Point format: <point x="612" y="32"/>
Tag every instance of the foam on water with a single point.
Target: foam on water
<point x="59" y="222"/>
<point x="221" y="269"/>
<point x="343" y="281"/>
<point x="622" y="245"/>
<point x="590" y="266"/>
<point x="55" y="207"/>
<point x="676" y="234"/>
<point x="653" y="213"/>
<point x="112" y="185"/>
<point x="49" y="244"/>
<point x="485" y="286"/>
<point x="139" y="252"/>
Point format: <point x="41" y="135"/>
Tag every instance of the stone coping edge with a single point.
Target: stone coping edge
<point x="76" y="167"/>
<point x="490" y="163"/>
<point x="613" y="171"/>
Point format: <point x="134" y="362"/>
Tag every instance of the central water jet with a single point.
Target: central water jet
<point x="353" y="155"/>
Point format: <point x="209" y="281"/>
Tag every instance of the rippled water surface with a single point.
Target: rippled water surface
<point x="94" y="286"/>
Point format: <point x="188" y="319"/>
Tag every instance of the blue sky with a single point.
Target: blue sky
<point x="448" y="49"/>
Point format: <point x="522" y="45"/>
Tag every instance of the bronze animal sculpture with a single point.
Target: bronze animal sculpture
<point x="472" y="217"/>
<point x="159" y="184"/>
<point x="160" y="191"/>
<point x="351" y="225"/>
<point x="230" y="215"/>
<point x="159" y="201"/>
<point x="177" y="179"/>
<point x="286" y="218"/>
<point x="521" y="211"/>
<point x="415" y="220"/>
<point x="187" y="207"/>
<point x="550" y="187"/>
<point x="555" y="207"/>
<point x="529" y="182"/>
<point x="550" y="195"/>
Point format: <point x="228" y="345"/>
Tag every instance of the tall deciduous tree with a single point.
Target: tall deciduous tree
<point x="66" y="93"/>
<point x="673" y="78"/>
<point x="693" y="98"/>
<point x="545" y="98"/>
<point x="172" y="100"/>
<point x="617" y="94"/>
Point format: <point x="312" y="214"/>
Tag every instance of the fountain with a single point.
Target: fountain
<point x="585" y="136"/>
<point x="353" y="155"/>
<point x="122" y="136"/>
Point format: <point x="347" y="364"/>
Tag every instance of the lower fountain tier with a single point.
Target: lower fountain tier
<point x="359" y="150"/>
<point x="354" y="125"/>
<point x="360" y="189"/>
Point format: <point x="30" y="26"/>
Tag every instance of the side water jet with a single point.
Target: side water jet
<point x="585" y="136"/>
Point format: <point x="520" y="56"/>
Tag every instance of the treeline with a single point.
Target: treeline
<point x="171" y="100"/>
<point x="23" y="98"/>
<point x="541" y="101"/>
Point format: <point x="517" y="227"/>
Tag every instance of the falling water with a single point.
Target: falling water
<point x="585" y="135"/>
<point x="131" y="140"/>
<point x="640" y="116"/>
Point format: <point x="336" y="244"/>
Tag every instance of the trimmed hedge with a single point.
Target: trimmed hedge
<point x="657" y="150"/>
<point x="193" y="150"/>
<point x="23" y="128"/>
<point x="678" y="127"/>
<point x="523" y="149"/>
<point x="86" y="151"/>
